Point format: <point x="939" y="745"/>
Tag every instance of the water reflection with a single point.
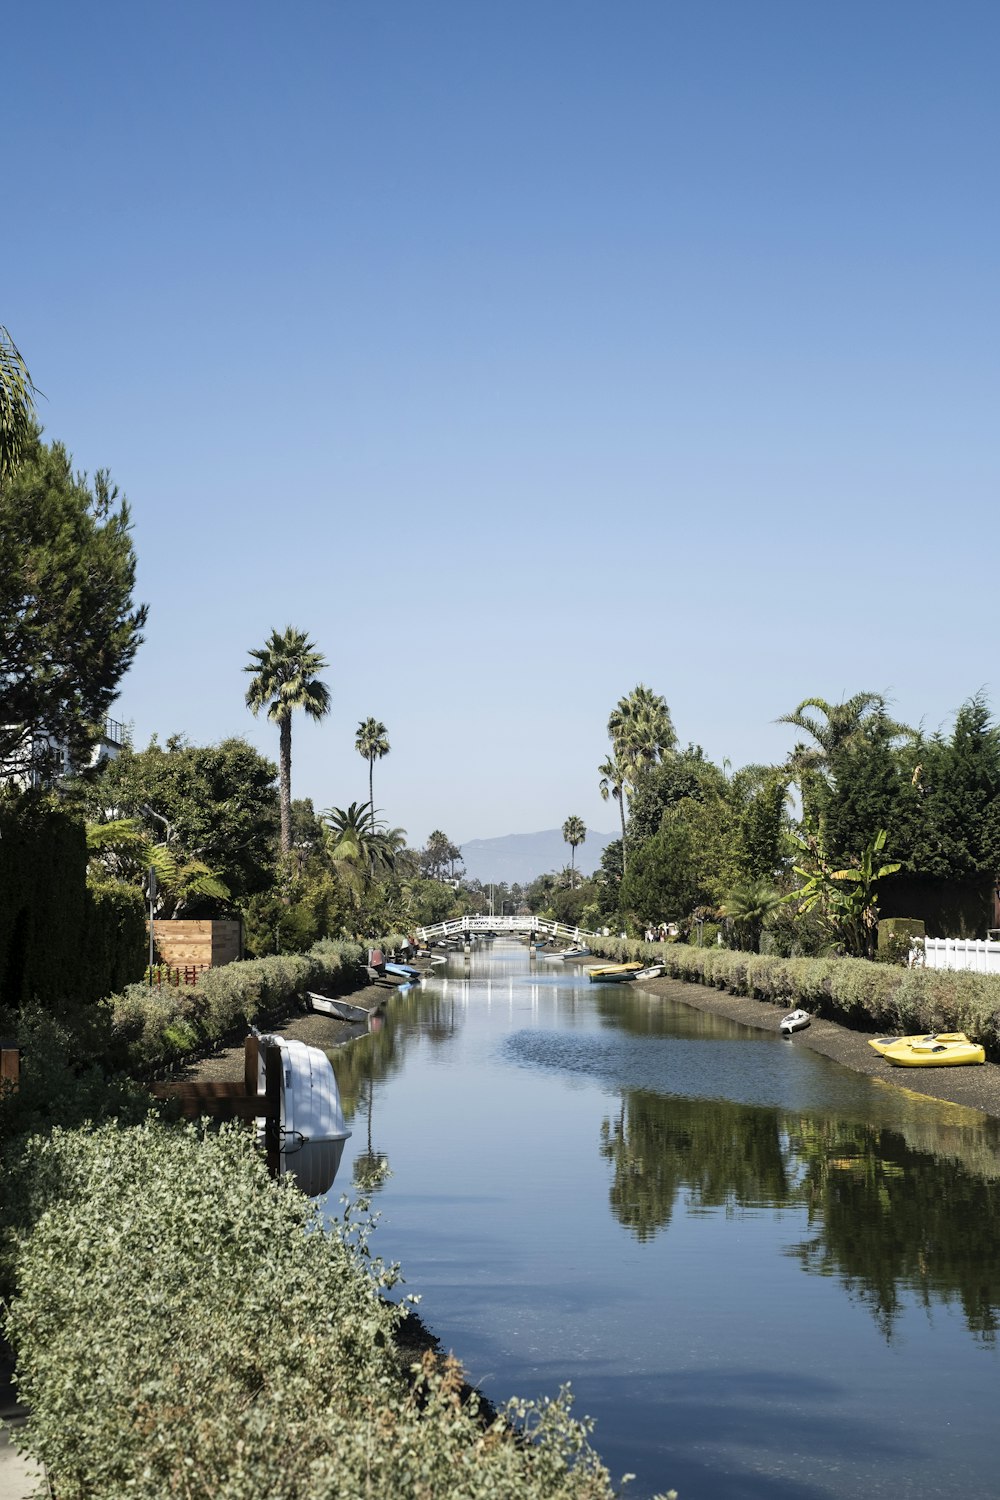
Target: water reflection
<point x="718" y="1155"/>
<point x="682" y="1216"/>
<point x="886" y="1218"/>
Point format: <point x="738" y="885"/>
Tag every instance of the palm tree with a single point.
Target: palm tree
<point x="845" y="727"/>
<point x="574" y="831"/>
<point x="748" y="906"/>
<point x="641" y="729"/>
<point x="614" y="783"/>
<point x="371" y="742"/>
<point x="17" y="407"/>
<point x="285" y="679"/>
<point x="358" y="841"/>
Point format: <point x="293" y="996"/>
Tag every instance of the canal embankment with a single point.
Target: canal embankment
<point x="975" y="1087"/>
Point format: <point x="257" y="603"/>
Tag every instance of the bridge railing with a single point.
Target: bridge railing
<point x="471" y="925"/>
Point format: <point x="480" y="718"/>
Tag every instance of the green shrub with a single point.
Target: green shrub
<point x="895" y="939"/>
<point x="183" y="1329"/>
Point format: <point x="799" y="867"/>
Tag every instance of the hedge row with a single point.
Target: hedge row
<point x="183" y="1329"/>
<point x="151" y="1028"/>
<point x="870" y="996"/>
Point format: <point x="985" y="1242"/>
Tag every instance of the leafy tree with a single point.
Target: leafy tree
<point x="664" y="881"/>
<point x="761" y="833"/>
<point x="688" y="863"/>
<point x="574" y="831"/>
<point x="68" y="627"/>
<point x="17" y="406"/>
<point x="429" y="901"/>
<point x="952" y="829"/>
<point x="439" y="856"/>
<point x="659" y="787"/>
<point x="219" y="801"/>
<point x="372" y="743"/>
<point x="284" y="679"/>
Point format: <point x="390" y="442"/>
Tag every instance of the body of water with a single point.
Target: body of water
<point x="762" y="1274"/>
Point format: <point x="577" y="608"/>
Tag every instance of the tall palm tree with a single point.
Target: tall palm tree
<point x="574" y="831"/>
<point x="641" y="729"/>
<point x="17" y="406"/>
<point x="285" y="680"/>
<point x="371" y="742"/>
<point x="614" y="783"/>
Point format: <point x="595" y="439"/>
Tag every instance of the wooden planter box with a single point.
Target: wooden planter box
<point x="186" y="944"/>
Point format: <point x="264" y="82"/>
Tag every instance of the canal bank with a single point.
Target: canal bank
<point x="976" y="1087"/>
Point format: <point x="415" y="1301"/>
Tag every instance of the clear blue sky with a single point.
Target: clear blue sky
<point x="519" y="353"/>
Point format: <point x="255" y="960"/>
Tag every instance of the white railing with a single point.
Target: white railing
<point x="957" y="953"/>
<point x="459" y="926"/>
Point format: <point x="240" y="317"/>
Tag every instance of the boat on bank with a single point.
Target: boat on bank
<point x="614" y="973"/>
<point x="796" y="1020"/>
<point x="881" y="1044"/>
<point x="934" y="1052"/>
<point x="409" y="973"/>
<point x="341" y="1010"/>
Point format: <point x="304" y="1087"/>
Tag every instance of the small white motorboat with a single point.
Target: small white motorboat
<point x="311" y="1129"/>
<point x="796" y="1020"/>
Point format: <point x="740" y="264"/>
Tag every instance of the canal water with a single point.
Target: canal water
<point x="763" y="1275"/>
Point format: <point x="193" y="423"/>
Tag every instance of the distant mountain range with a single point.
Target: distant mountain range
<point x="519" y="858"/>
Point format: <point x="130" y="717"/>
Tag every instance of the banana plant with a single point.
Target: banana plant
<point x="845" y="898"/>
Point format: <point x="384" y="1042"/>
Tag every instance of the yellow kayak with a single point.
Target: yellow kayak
<point x="614" y="971"/>
<point x="934" y="1052"/>
<point x="883" y="1043"/>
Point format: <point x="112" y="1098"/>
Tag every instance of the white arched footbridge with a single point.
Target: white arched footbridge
<point x="459" y="927"/>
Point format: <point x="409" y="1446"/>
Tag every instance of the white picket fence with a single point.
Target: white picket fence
<point x="957" y="953"/>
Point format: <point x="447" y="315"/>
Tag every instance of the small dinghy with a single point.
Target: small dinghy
<point x="882" y="1044"/>
<point x="934" y="1052"/>
<point x="652" y="972"/>
<point x="342" y="1010"/>
<point x="613" y="973"/>
<point x="796" y="1020"/>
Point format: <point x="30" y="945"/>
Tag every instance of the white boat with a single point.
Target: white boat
<point x="343" y="1010"/>
<point x="653" y="972"/>
<point x="796" y="1020"/>
<point x="311" y="1128"/>
<point x="580" y="951"/>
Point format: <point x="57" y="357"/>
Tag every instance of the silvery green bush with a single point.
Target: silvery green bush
<point x="185" y="1327"/>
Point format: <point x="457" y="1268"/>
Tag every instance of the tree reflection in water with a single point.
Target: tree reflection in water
<point x="886" y="1218"/>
